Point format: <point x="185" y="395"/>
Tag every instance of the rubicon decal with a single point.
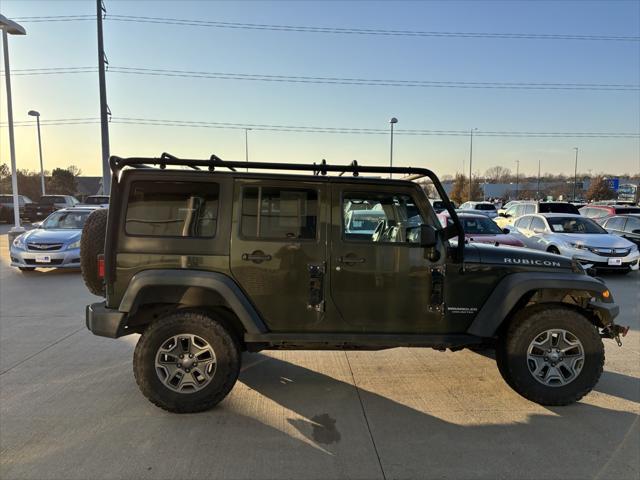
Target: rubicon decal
<point x="527" y="261"/>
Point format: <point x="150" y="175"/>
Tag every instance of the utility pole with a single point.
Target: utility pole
<point x="34" y="113"/>
<point x="471" y="162"/>
<point x="104" y="108"/>
<point x="517" y="178"/>
<point x="246" y="145"/>
<point x="538" y="188"/>
<point x="392" y="122"/>
<point x="575" y="175"/>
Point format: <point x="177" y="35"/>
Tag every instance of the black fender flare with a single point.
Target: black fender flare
<point x="513" y="287"/>
<point x="218" y="282"/>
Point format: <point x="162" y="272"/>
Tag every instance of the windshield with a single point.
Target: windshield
<point x="65" y="220"/>
<point x="485" y="206"/>
<point x="574" y="225"/>
<point x="480" y="226"/>
<point x="558" y="208"/>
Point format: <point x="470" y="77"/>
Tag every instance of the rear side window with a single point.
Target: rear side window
<point x="615" y="223"/>
<point x="523" y="222"/>
<point x="172" y="209"/>
<point x="272" y="213"/>
<point x="632" y="224"/>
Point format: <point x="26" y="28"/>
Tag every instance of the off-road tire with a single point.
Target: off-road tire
<point x="198" y="323"/>
<point x="92" y="245"/>
<point x="511" y="353"/>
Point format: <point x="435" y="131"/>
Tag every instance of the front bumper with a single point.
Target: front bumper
<point x="38" y="259"/>
<point x="103" y="321"/>
<point x="589" y="259"/>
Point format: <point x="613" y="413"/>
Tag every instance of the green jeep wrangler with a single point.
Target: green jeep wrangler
<point x="208" y="260"/>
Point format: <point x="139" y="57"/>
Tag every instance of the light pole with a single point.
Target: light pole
<point x="104" y="108"/>
<point x="538" y="187"/>
<point x="9" y="27"/>
<point x="517" y="177"/>
<point x="471" y="161"/>
<point x="246" y="145"/>
<point x="575" y="175"/>
<point x="33" y="113"/>
<point x="392" y="122"/>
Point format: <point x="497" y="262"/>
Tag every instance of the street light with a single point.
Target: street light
<point x="9" y="27"/>
<point x="575" y="175"/>
<point x="246" y="145"/>
<point x="33" y="113"/>
<point x="471" y="161"/>
<point x="517" y="178"/>
<point x="392" y="122"/>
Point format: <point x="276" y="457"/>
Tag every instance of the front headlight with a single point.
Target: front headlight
<point x="577" y="246"/>
<point x="73" y="245"/>
<point x="18" y="242"/>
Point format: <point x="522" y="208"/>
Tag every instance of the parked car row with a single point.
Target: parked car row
<point x="31" y="211"/>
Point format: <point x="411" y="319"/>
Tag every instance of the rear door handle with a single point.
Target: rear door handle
<point x="256" y="257"/>
<point x="351" y="260"/>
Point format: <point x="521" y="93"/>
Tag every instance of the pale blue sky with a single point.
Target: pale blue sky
<point x="73" y="44"/>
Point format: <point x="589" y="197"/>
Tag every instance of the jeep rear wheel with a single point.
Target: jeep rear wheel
<point x="551" y="355"/>
<point x="186" y="362"/>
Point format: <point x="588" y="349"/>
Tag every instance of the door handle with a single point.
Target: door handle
<point x="348" y="260"/>
<point x="256" y="257"/>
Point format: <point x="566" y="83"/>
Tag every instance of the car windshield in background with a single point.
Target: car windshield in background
<point x="574" y="225"/>
<point x="558" y="208"/>
<point x="51" y="200"/>
<point x="480" y="226"/>
<point x="65" y="220"/>
<point x="485" y="206"/>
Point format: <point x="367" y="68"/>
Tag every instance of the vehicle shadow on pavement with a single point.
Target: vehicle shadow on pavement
<point x="568" y="442"/>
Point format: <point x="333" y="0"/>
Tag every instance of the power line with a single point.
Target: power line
<point x="335" y="80"/>
<point x="331" y="30"/>
<point x="315" y="129"/>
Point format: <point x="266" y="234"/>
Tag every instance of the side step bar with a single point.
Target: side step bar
<point x="356" y="341"/>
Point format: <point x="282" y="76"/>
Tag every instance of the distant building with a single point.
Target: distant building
<point x="88" y="186"/>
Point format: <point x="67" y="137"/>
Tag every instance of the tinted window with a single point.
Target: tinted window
<point x="523" y="223"/>
<point x="558" y="208"/>
<point x="615" y="223"/>
<point x="622" y="211"/>
<point x="537" y="225"/>
<point x="485" y="206"/>
<point x="96" y="200"/>
<point x="172" y="209"/>
<point x="279" y="214"/>
<point x="394" y="218"/>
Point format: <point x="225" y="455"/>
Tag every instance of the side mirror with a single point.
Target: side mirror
<point x="506" y="231"/>
<point x="504" y="214"/>
<point x="428" y="236"/>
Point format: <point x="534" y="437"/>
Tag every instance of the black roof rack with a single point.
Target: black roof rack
<point x="411" y="173"/>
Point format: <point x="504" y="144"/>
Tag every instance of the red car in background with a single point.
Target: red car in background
<point x="481" y="229"/>
<point x="600" y="213"/>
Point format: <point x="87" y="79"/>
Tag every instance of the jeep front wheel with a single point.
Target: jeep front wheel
<point x="186" y="362"/>
<point x="551" y="355"/>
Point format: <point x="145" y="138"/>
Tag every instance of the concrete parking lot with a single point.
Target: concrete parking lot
<point x="70" y="408"/>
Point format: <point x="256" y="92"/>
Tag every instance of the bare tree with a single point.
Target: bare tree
<point x="498" y="174"/>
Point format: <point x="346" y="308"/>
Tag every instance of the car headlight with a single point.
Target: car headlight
<point x="73" y="245"/>
<point x="578" y="246"/>
<point x="18" y="242"/>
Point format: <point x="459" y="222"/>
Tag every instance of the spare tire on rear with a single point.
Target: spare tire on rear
<point x="92" y="245"/>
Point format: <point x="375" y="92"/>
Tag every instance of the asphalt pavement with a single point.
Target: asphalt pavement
<point x="70" y="408"/>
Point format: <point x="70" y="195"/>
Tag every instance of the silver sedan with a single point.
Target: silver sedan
<point x="579" y="238"/>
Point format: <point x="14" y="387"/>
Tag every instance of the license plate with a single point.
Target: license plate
<point x="615" y="261"/>
<point x="43" y="258"/>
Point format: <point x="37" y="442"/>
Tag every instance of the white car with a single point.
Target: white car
<point x="487" y="209"/>
<point x="579" y="238"/>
